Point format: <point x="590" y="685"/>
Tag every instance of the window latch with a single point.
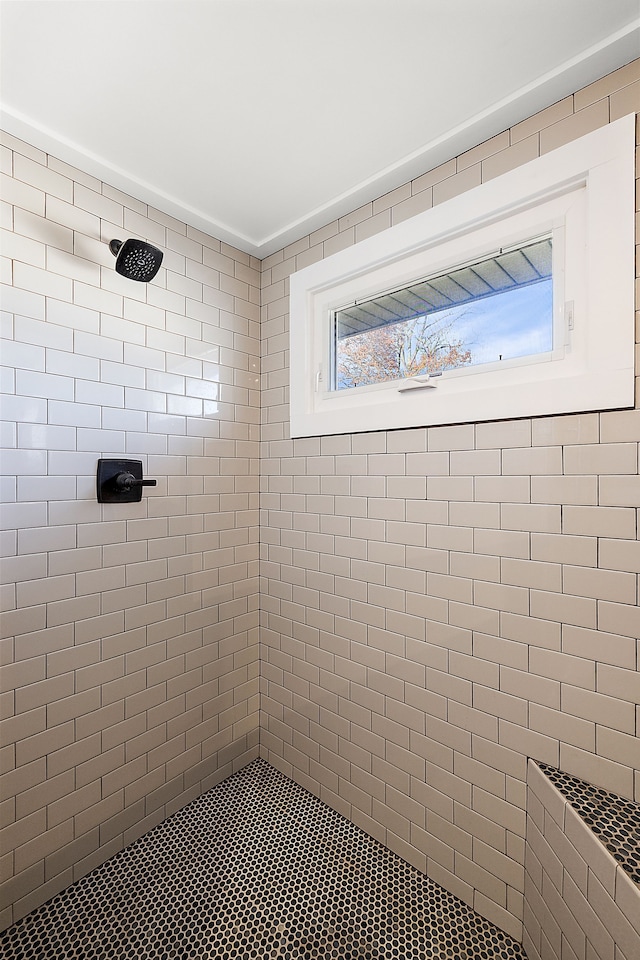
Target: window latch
<point x="569" y="320"/>
<point x="416" y="383"/>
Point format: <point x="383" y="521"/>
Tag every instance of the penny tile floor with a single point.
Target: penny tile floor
<point x="256" y="868"/>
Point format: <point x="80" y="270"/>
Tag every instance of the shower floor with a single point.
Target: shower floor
<point x="256" y="868"/>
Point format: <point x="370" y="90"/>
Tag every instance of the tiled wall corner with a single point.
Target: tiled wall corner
<point x="579" y="903"/>
<point x="440" y="604"/>
<point x="130" y="633"/>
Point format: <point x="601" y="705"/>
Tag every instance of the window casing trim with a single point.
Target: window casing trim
<point x="583" y="189"/>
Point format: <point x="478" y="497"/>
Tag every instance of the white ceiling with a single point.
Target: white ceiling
<point x="260" y="120"/>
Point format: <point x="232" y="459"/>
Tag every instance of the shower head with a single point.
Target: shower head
<point x="136" y="259"/>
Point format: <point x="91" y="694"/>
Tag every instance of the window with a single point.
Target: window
<point x="499" y="308"/>
<point x="514" y="299"/>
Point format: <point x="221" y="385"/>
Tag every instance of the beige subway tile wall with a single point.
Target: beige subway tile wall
<point x="130" y="673"/>
<point x="440" y="604"/>
<point x="437" y="605"/>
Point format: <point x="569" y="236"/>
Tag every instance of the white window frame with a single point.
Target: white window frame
<point x="583" y="195"/>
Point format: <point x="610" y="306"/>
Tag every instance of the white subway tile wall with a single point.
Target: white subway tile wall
<point x="438" y="605"/>
<point x="130" y="670"/>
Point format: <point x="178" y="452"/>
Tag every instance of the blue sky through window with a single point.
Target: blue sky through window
<point x="514" y="323"/>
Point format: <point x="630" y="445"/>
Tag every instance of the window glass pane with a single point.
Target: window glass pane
<point x="499" y="308"/>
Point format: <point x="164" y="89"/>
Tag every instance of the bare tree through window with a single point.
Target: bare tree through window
<point x="399" y="350"/>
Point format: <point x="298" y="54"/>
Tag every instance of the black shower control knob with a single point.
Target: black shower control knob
<point x="125" y="481"/>
<point x="120" y="481"/>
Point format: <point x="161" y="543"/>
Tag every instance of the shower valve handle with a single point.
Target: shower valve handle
<point x="120" y="481"/>
<point x="125" y="481"/>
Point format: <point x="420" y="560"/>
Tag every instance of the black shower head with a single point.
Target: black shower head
<point x="136" y="259"/>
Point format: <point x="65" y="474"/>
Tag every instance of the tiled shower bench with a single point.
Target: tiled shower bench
<point x="582" y="879"/>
